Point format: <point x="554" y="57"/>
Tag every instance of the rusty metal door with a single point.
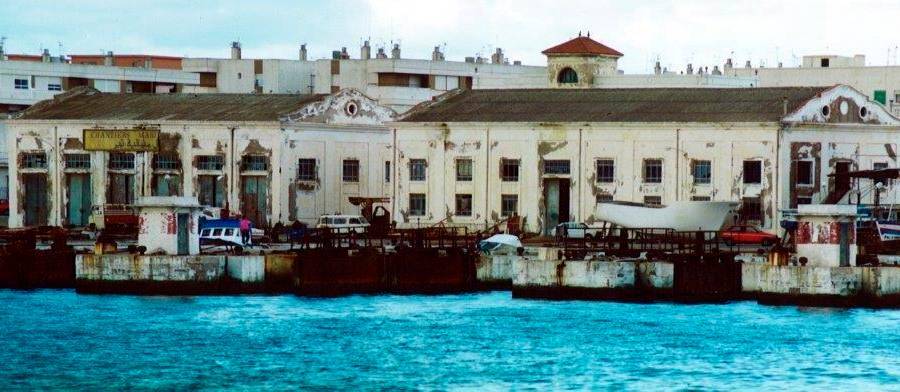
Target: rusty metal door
<point x="36" y="203"/>
<point x="78" y="196"/>
<point x="254" y="197"/>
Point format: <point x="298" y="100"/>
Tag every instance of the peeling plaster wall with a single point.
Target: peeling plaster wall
<point x="582" y="144"/>
<point x="58" y="138"/>
<point x="863" y="147"/>
<point x="328" y="193"/>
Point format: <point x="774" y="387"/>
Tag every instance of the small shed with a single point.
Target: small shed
<point x="169" y="224"/>
<point x="826" y="234"/>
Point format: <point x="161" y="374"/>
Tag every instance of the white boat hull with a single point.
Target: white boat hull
<point x="680" y="216"/>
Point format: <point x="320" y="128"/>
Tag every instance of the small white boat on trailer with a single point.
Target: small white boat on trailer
<point x="679" y="216"/>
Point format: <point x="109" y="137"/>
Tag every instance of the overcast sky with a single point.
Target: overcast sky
<point x="678" y="32"/>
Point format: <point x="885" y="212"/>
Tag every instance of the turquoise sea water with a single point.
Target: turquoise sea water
<point x="53" y="339"/>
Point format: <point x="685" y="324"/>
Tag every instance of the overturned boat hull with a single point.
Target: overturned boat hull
<point x="679" y="216"/>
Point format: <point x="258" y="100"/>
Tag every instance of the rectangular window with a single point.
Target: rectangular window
<point x="34" y="160"/>
<point x="210" y="162"/>
<point x="306" y="169"/>
<point x="804" y="200"/>
<point x="417" y="170"/>
<point x="255" y="163"/>
<point x="700" y="198"/>
<point x="751" y="210"/>
<point x="350" y="170"/>
<point x="604" y="198"/>
<point x="387" y="171"/>
<point x="78" y="161"/>
<point x="653" y="171"/>
<point x="212" y="191"/>
<point x="824" y="63"/>
<point x="804" y="172"/>
<point x="463" y="170"/>
<point x="752" y="172"/>
<point x="702" y="172"/>
<point x="509" y="170"/>
<point x="166" y="161"/>
<point x="556" y="166"/>
<point x="121" y="160"/>
<point x="417" y="204"/>
<point x="463" y="205"/>
<point x="21" y="84"/>
<point x="54" y="87"/>
<point x="606" y="170"/>
<point x="879" y="166"/>
<point x="509" y="205"/>
<point x="653" y="200"/>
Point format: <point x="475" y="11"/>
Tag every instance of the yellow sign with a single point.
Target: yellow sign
<point x="121" y="140"/>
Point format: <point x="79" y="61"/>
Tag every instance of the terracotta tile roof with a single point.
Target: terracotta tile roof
<point x="583" y="45"/>
<point x="615" y="105"/>
<point x="85" y="103"/>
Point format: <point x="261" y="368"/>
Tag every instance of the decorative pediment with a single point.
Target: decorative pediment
<point x="842" y="104"/>
<point x="346" y="107"/>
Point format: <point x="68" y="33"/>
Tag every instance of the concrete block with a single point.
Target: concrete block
<point x="656" y="274"/>
<point x="247" y="269"/>
<point x="495" y="266"/>
<point x="801" y="280"/>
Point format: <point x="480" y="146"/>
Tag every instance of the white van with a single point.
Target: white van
<point x="343" y="223"/>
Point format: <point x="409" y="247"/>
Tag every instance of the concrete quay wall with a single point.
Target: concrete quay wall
<point x="144" y="274"/>
<point x="821" y="285"/>
<point x="633" y="280"/>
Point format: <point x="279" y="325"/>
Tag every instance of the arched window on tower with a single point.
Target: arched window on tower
<point x="567" y="75"/>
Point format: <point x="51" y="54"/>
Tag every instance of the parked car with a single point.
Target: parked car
<point x="343" y="223"/>
<point x="747" y="235"/>
<point x="575" y="230"/>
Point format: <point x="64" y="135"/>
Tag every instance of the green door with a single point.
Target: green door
<point x="254" y="198"/>
<point x="183" y="233"/>
<point x="36" y="211"/>
<point x="78" y="194"/>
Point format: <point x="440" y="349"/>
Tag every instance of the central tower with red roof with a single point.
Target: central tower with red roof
<point x="578" y="61"/>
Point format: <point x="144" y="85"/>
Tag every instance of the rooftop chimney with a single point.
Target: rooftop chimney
<point x="302" y="52"/>
<point x="45" y="56"/>
<point x="517" y="62"/>
<point x="690" y="69"/>
<point x="395" y="53"/>
<point x="108" y="59"/>
<point x="728" y="65"/>
<point x="2" y="53"/>
<point x="497" y="57"/>
<point x="747" y="64"/>
<point x="235" y="50"/>
<point x="479" y="60"/>
<point x="365" y="52"/>
<point x="344" y="54"/>
<point x="380" y="54"/>
<point x="436" y="55"/>
<point x="716" y="70"/>
<point x="470" y="59"/>
<point x="657" y="69"/>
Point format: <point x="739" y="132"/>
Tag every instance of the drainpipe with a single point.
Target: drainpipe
<point x="231" y="179"/>
<point x="394" y="177"/>
<point x="487" y="178"/>
<point x="677" y="164"/>
<point x="58" y="183"/>
<point x="580" y="203"/>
